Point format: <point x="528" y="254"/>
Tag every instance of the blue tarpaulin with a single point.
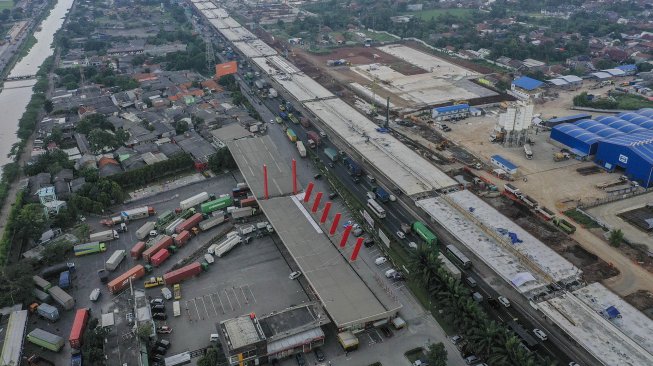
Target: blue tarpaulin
<point x="514" y="238"/>
<point x="612" y="312"/>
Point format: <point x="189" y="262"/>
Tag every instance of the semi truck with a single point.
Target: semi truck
<point x="182" y="238"/>
<point x="292" y="136"/>
<point x="130" y="215"/>
<point x="227" y="245"/>
<point x="137" y="250"/>
<point x="106" y="235"/>
<point x="170" y="229"/>
<point x="160" y="257"/>
<point x="61" y="297"/>
<point x="212" y="222"/>
<point x="239" y="213"/>
<point x="194" y="200"/>
<point x="331" y="153"/>
<point x="313" y="136"/>
<point x="122" y="281"/>
<point x="77" y="330"/>
<point x="164" y="243"/>
<point x="189" y="223"/>
<point x="217" y="204"/>
<point x="301" y="149"/>
<point x="115" y="259"/>
<point x="48" y="312"/>
<point x="182" y="273"/>
<point x="89" y="248"/>
<point x="144" y="231"/>
<point x="45" y="339"/>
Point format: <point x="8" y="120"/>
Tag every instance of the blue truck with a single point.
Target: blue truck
<point x="353" y="168"/>
<point x="283" y="115"/>
<point x="76" y="359"/>
<point x="64" y="279"/>
<point x="382" y="195"/>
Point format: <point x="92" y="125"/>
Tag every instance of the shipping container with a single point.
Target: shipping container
<point x="248" y="202"/>
<point x="227" y="245"/>
<point x="331" y="153"/>
<point x="189" y="223"/>
<point x="164" y="218"/>
<point x="122" y="281"/>
<point x="160" y="257"/>
<point x="49" y="312"/>
<point x="161" y="244"/>
<point x="144" y="231"/>
<point x="137" y="250"/>
<point x="115" y="259"/>
<point x="106" y="235"/>
<point x="183" y="273"/>
<point x="45" y="339"/>
<point x="218" y="204"/>
<point x="61" y="297"/>
<point x="292" y="136"/>
<point x="238" y="213"/>
<point x="212" y="222"/>
<point x="41" y="283"/>
<point x="137" y="213"/>
<point x="182" y="238"/>
<point x="89" y="248"/>
<point x="424" y="233"/>
<point x="77" y="330"/>
<point x="194" y="200"/>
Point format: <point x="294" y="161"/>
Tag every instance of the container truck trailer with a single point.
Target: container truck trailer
<point x="170" y="229"/>
<point x="292" y="136"/>
<point x="182" y="238"/>
<point x="137" y="250"/>
<point x="54" y="270"/>
<point x="182" y="273"/>
<point x="189" y="223"/>
<point x="248" y="202"/>
<point x="423" y="232"/>
<point x="40" y="295"/>
<point x="137" y="213"/>
<point x="48" y="312"/>
<point x="164" y="243"/>
<point x="106" y="235"/>
<point x="160" y="257"/>
<point x="45" y="339"/>
<point x="122" y="281"/>
<point x="164" y="218"/>
<point x="227" y="245"/>
<point x="77" y="330"/>
<point x="61" y="297"/>
<point x="144" y="231"/>
<point x="115" y="259"/>
<point x="331" y="153"/>
<point x="89" y="248"/>
<point x="217" y="204"/>
<point x="194" y="200"/>
<point x="242" y="212"/>
<point x="212" y="222"/>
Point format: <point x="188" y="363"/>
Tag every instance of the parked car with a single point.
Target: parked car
<point x="540" y="334"/>
<point x="333" y="195"/>
<point x="159" y="316"/>
<point x="301" y="361"/>
<point x="456" y="339"/>
<point x="129" y="317"/>
<point x="167" y="294"/>
<point x="159" y="350"/>
<point x="380" y="260"/>
<point x="319" y="355"/>
<point x="386" y="331"/>
<point x="472" y="360"/>
<point x="294" y="275"/>
<point x="95" y="294"/>
<point x="368" y="242"/>
<point x="159" y="309"/>
<point x="401" y="235"/>
<point x="504" y="301"/>
<point x="163" y="343"/>
<point x="157" y="301"/>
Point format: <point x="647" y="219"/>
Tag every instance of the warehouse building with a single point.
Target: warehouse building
<point x="623" y="142"/>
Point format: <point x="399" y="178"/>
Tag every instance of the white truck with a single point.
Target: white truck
<point x="238" y="213"/>
<point x="265" y="226"/>
<point x="194" y="201"/>
<point x="170" y="229"/>
<point x="144" y="231"/>
<point x="212" y="248"/>
<point x="104" y="235"/>
<point x="246" y="229"/>
<point x="212" y="222"/>
<point x="301" y="149"/>
<point x="528" y="151"/>
<point x="115" y="260"/>
<point x="176" y="308"/>
<point x="272" y="93"/>
<point x="227" y="245"/>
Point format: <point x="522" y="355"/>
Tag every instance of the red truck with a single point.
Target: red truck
<point x="137" y="250"/>
<point x="312" y="135"/>
<point x="190" y="223"/>
<point x="182" y="273"/>
<point x="77" y="331"/>
<point x="248" y="202"/>
<point x="182" y="238"/>
<point x="122" y="281"/>
<point x="160" y="257"/>
<point x="161" y="244"/>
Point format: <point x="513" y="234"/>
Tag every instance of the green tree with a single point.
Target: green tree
<point x="437" y="355"/>
<point x="181" y="127"/>
<point x="222" y="160"/>
<point x="48" y="106"/>
<point x="616" y="237"/>
<point x="144" y="331"/>
<point x="210" y="358"/>
<point x="31" y="221"/>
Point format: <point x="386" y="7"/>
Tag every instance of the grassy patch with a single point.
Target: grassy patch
<point x="581" y="219"/>
<point x="414" y="354"/>
<point x="435" y="13"/>
<point x="4" y="4"/>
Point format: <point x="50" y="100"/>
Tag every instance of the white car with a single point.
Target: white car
<point x="401" y="235"/>
<point x="167" y="294"/>
<point x="271" y="121"/>
<point x="95" y="294"/>
<point x="504" y="301"/>
<point x="540" y="334"/>
<point x="380" y="260"/>
<point x="294" y="275"/>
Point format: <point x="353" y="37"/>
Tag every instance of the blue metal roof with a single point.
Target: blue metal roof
<point x="452" y="108"/>
<point x="639" y="143"/>
<point x="627" y="68"/>
<point x="527" y="83"/>
<point x="578" y="133"/>
<point x="574" y="117"/>
<point x="504" y="161"/>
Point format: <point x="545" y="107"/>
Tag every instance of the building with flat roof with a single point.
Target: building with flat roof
<point x="457" y="111"/>
<point x="242" y="339"/>
<point x="12" y="347"/>
<point x="504" y="164"/>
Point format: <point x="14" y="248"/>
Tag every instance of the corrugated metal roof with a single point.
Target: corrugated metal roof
<point x="601" y="75"/>
<point x="614" y="72"/>
<point x="558" y="82"/>
<point x="627" y="68"/>
<point x="527" y="83"/>
<point x="507" y="163"/>
<point x="571" y="78"/>
<point x="452" y="108"/>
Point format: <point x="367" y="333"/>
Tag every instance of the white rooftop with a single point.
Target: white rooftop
<point x="594" y="333"/>
<point x="222" y="23"/>
<point x="283" y="65"/>
<point x="406" y="169"/>
<point x="255" y="48"/>
<point x="501" y="260"/>
<point x="13" y="343"/>
<point x="425" y="61"/>
<point x="302" y="87"/>
<point x="632" y="322"/>
<point x="541" y="255"/>
<point x="215" y="13"/>
<point x="204" y="5"/>
<point x="237" y="34"/>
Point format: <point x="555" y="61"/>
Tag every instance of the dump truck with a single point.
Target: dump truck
<point x="189" y="223"/>
<point x="292" y="136"/>
<point x="194" y="200"/>
<point x="153" y="282"/>
<point x="560" y="156"/>
<point x="106" y="235"/>
<point x="89" y="248"/>
<point x="217" y="204"/>
<point x="48" y="312"/>
<point x="115" y="259"/>
<point x="61" y="297"/>
<point x="212" y="222"/>
<point x="331" y="153"/>
<point x="301" y="149"/>
<point x="144" y="231"/>
<point x="122" y="281"/>
<point x="45" y="339"/>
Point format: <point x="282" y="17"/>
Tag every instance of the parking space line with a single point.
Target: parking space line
<point x="199" y="317"/>
<point x="212" y="304"/>
<point x="233" y="289"/>
<point x="205" y="309"/>
<point x="251" y="293"/>
<point x="221" y="305"/>
<point x="188" y="311"/>
<point x="230" y="304"/>
<point x="245" y="296"/>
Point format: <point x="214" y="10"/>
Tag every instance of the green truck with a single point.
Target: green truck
<point x="163" y="219"/>
<point x="218" y="204"/>
<point x="424" y="233"/>
<point x="45" y="339"/>
<point x="89" y="248"/>
<point x="564" y="225"/>
<point x="294" y="119"/>
<point x="331" y="153"/>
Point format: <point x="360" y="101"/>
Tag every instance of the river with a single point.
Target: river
<point x="16" y="94"/>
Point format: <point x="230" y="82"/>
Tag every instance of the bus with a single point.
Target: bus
<point x="424" y="233"/>
<point x="376" y="208"/>
<point x="458" y="256"/>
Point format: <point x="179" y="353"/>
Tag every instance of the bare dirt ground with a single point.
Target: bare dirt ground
<point x="643" y="301"/>
<point x="366" y="56"/>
